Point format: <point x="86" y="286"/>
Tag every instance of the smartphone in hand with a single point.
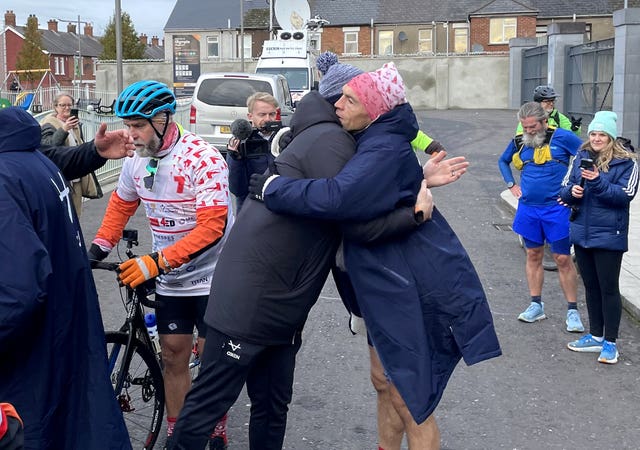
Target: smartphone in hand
<point x="74" y="112"/>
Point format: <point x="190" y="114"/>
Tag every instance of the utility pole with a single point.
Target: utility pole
<point x="118" y="47"/>
<point x="77" y="72"/>
<point x="241" y="46"/>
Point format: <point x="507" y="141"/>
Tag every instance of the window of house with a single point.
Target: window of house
<point x="351" y="42"/>
<point x="425" y="41"/>
<point x="460" y="39"/>
<point x="213" y="47"/>
<point x="385" y="42"/>
<point x="58" y="63"/>
<point x="541" y="30"/>
<point x="247" y="47"/>
<point x="502" y="29"/>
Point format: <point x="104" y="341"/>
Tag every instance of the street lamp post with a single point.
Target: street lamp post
<point x="118" y="47"/>
<point x="77" y="73"/>
<point x="241" y="46"/>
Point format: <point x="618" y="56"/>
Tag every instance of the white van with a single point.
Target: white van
<point x="220" y="98"/>
<point x="290" y="56"/>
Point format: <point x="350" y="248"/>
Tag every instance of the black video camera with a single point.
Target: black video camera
<point x="271" y="126"/>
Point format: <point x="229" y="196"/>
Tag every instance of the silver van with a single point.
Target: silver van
<point x="220" y="98"/>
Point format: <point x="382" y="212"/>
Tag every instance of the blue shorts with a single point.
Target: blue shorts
<point x="537" y="224"/>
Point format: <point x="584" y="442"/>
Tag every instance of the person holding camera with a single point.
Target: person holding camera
<point x="601" y="184"/>
<point x="253" y="154"/>
<point x="62" y="127"/>
<point x="542" y="153"/>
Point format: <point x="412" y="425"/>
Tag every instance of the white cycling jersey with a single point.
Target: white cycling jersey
<point x="193" y="175"/>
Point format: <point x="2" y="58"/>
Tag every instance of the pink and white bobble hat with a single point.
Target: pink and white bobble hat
<point x="379" y="91"/>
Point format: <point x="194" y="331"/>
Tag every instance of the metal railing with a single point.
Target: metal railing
<point x="91" y="121"/>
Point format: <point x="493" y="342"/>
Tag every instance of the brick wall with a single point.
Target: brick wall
<point x="333" y="40"/>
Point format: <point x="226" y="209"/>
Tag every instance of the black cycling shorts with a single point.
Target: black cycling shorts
<point x="178" y="315"/>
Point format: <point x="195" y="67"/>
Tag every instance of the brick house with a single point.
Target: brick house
<point x="63" y="48"/>
<point x="402" y="27"/>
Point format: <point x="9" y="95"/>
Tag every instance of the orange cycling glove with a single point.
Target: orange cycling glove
<point x="136" y="271"/>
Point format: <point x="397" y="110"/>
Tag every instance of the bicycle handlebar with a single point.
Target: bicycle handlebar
<point x="141" y="291"/>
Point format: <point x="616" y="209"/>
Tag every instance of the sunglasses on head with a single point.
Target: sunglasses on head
<point x="152" y="168"/>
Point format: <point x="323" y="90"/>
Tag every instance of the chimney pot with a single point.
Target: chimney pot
<point x="154" y="41"/>
<point x="10" y="18"/>
<point x="88" y="29"/>
<point x="52" y="25"/>
<point x="71" y="28"/>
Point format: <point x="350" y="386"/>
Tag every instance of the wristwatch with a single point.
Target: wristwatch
<point x="510" y="184"/>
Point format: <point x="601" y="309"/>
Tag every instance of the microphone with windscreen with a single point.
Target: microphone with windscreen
<point x="241" y="129"/>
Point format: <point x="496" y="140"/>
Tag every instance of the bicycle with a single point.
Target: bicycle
<point x="134" y="365"/>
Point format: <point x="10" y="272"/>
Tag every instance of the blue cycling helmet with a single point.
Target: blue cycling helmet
<point x="145" y="98"/>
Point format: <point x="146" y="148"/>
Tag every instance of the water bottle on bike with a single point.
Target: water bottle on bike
<point x="152" y="328"/>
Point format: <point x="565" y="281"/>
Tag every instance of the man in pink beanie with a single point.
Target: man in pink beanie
<point x="420" y="296"/>
<point x="379" y="91"/>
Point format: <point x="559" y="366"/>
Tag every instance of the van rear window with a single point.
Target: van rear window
<point x="230" y="92"/>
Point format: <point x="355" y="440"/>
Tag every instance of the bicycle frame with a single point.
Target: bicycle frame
<point x="134" y="327"/>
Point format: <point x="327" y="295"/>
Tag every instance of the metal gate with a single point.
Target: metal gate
<point x="534" y="71"/>
<point x="589" y="76"/>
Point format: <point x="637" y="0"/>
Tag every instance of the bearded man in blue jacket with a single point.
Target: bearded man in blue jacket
<point x="419" y="294"/>
<point x="52" y="347"/>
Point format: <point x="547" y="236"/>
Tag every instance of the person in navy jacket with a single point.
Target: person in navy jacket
<point x="602" y="181"/>
<point x="52" y="346"/>
<point x="420" y="296"/>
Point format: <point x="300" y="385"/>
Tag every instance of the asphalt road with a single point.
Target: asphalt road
<point x="538" y="395"/>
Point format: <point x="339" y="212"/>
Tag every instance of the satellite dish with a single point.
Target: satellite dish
<point x="402" y="36"/>
<point x="292" y="14"/>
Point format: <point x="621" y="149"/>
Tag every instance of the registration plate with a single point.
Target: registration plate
<point x="225" y="129"/>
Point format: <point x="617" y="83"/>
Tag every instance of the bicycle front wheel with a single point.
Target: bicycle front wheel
<point x="141" y="397"/>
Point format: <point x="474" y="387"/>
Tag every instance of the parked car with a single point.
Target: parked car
<point x="220" y="98"/>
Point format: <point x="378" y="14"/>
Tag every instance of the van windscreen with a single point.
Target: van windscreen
<point x="298" y="78"/>
<point x="230" y="91"/>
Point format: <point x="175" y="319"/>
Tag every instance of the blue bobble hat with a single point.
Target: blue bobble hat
<point x="605" y="121"/>
<point x="334" y="74"/>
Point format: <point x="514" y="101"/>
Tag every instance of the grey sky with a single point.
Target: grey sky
<point x="148" y="16"/>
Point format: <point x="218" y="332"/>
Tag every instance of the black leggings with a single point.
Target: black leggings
<point x="600" y="272"/>
<point x="226" y="364"/>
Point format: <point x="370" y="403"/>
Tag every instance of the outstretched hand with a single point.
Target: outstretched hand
<point x="439" y="171"/>
<point x="113" y="144"/>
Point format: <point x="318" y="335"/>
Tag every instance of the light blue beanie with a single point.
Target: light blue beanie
<point x="605" y="121"/>
<point x="334" y="74"/>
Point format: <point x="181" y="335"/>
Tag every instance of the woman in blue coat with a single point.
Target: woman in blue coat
<point x="599" y="186"/>
<point x="420" y="296"/>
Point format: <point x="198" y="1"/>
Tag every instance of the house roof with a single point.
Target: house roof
<point x="501" y="7"/>
<point x="64" y="43"/>
<point x="211" y="15"/>
<point x="153" y="52"/>
<point x="421" y="11"/>
<point x="353" y="12"/>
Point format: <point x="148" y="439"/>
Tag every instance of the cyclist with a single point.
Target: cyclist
<point x="182" y="181"/>
<point x="546" y="96"/>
